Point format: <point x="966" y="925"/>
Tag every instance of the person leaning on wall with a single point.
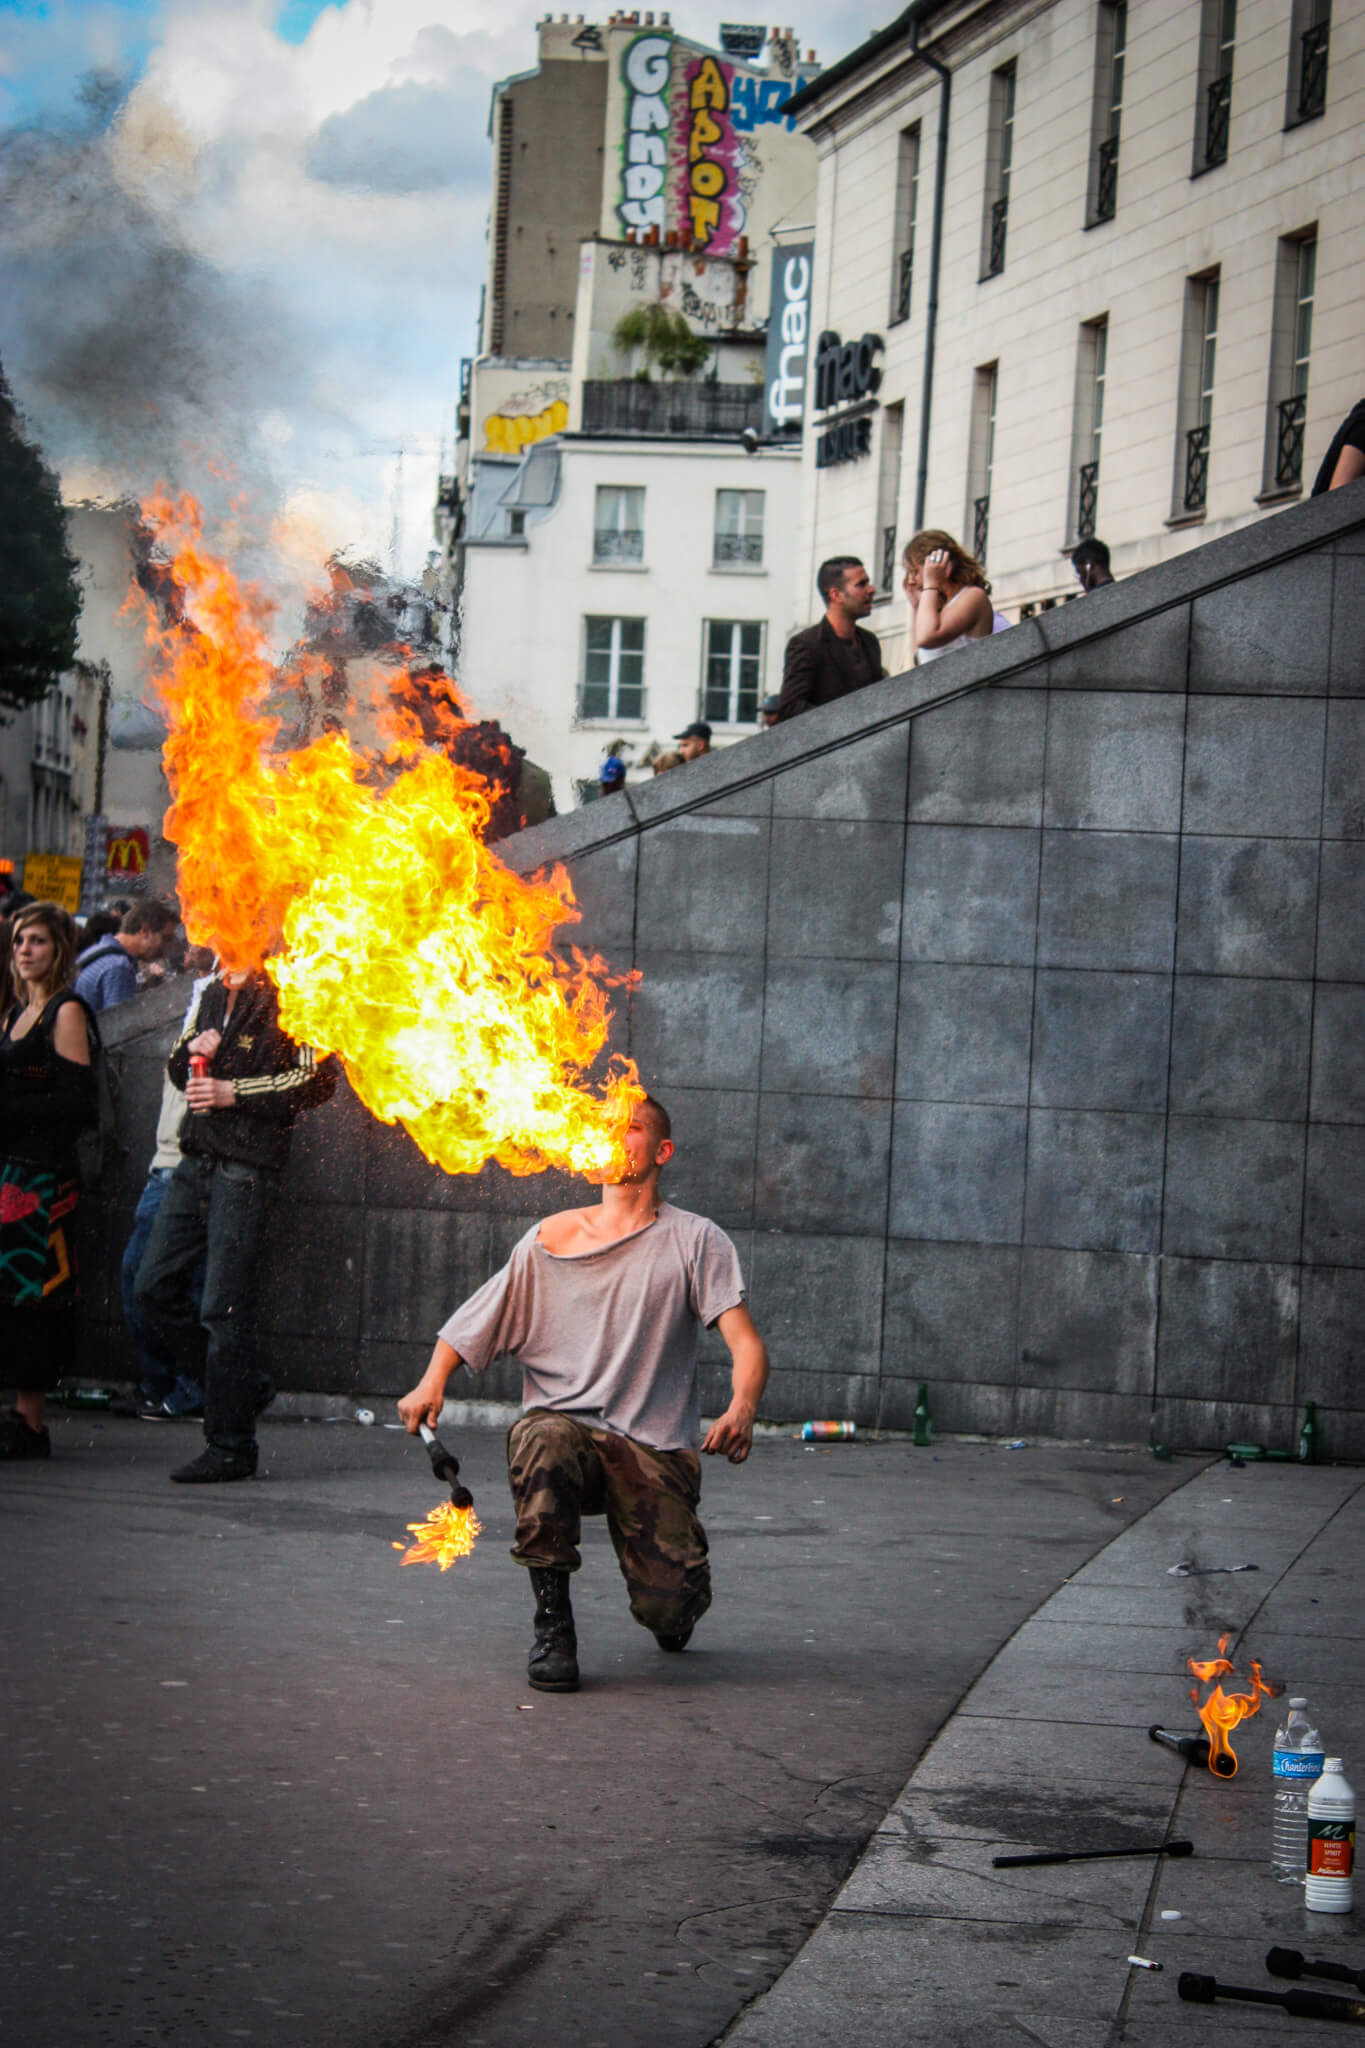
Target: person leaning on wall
<point x="948" y="595"/>
<point x="1344" y="462"/>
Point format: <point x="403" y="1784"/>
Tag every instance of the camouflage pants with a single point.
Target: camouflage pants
<point x="561" y="1469"/>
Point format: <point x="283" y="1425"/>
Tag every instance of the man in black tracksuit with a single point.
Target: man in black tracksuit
<point x="234" y="1145"/>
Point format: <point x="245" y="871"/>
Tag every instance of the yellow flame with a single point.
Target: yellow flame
<point x="394" y="935"/>
<point x="447" y="1533"/>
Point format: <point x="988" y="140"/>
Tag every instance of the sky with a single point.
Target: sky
<point x="242" y="243"/>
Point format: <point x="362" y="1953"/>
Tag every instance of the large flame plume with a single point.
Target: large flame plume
<point x="1221" y="1711"/>
<point x="396" y="938"/>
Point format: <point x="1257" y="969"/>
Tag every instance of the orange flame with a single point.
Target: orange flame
<point x="1221" y="1712"/>
<point x="447" y="1533"/>
<point x="395" y="937"/>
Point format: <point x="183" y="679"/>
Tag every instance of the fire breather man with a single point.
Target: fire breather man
<point x="604" y="1307"/>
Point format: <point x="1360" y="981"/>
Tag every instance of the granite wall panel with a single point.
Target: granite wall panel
<point x="906" y="987"/>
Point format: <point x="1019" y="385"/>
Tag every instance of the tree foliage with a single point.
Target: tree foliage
<point x="40" y="597"/>
<point x="664" y="338"/>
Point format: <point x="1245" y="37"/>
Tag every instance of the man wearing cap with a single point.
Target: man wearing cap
<point x="768" y="711"/>
<point x="611" y="776"/>
<point x="694" y="740"/>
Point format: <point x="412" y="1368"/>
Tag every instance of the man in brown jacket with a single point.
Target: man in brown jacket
<point x="836" y="656"/>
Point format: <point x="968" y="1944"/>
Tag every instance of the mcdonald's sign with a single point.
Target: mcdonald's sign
<point x="128" y="850"/>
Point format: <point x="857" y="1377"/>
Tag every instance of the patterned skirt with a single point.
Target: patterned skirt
<point x="37" y="1274"/>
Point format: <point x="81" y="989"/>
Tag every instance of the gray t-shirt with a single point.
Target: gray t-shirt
<point x="609" y="1335"/>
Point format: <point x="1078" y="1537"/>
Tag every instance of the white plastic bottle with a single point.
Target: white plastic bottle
<point x="1331" y="1841"/>
<point x="1297" y="1766"/>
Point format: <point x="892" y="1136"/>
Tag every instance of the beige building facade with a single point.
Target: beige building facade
<point x="1149" y="290"/>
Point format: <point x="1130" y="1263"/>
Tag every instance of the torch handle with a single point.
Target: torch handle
<point x="1291" y="1962"/>
<point x="1088" y="1855"/>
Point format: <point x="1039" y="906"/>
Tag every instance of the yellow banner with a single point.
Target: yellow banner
<point x="54" y="878"/>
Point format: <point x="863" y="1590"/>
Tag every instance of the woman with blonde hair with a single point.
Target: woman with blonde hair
<point x="949" y="597"/>
<point x="47" y="1097"/>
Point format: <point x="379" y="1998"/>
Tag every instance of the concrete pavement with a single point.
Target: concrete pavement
<point x="927" y="1942"/>
<point x="265" y="1784"/>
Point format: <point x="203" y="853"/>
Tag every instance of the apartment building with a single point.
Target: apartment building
<point x="1100" y="264"/>
<point x="618" y="563"/>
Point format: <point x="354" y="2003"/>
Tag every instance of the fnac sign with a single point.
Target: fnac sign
<point x="128" y="850"/>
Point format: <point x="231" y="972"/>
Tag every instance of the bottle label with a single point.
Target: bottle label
<point x="1299" y="1763"/>
<point x="1331" y="1847"/>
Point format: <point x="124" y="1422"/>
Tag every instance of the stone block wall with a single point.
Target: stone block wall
<point x="1011" y="1018"/>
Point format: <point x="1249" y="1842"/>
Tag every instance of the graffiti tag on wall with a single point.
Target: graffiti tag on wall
<point x="758" y="102"/>
<point x="708" y="195"/>
<point x="645" y="147"/>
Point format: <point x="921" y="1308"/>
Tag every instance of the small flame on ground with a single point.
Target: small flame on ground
<point x="447" y="1533"/>
<point x="1221" y="1711"/>
<point x="363" y="883"/>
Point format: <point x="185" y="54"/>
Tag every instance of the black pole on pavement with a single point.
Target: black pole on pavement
<point x="1300" y="2005"/>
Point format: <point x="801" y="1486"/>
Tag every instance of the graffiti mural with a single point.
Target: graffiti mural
<point x="709" y="201"/>
<point x="701" y="135"/>
<point x="644" y="167"/>
<point x="526" y="417"/>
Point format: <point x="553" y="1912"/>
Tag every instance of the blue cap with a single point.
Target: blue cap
<point x="613" y="770"/>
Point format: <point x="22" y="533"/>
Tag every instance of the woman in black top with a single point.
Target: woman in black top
<point x="47" y="1097"/>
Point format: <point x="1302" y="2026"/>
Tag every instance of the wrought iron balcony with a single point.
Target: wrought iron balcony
<point x="1196" y="468"/>
<point x="738" y="547"/>
<point x="1217" y="115"/>
<point x="613" y="544"/>
<point x="888" y="578"/>
<point x="1313" y="71"/>
<point x="1107" y="179"/>
<point x="1087" y="500"/>
<point x="981" y="526"/>
<point x="1289" y="442"/>
<point x="999" y="215"/>
<point x="905" y="273"/>
<point x="627" y="405"/>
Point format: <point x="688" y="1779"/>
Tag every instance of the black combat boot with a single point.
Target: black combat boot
<point x="553" y="1663"/>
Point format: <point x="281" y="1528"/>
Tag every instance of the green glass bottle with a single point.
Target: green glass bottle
<point x="924" y="1421"/>
<point x="1308" y="1435"/>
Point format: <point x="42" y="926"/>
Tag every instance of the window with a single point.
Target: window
<point x="981" y="460"/>
<point x="1087" y="428"/>
<point x="1213" y="104"/>
<point x="613" y="669"/>
<point x="619" y="525"/>
<point x="734" y="671"/>
<point x="1291" y="342"/>
<point x="1111" y="48"/>
<point x="739" y="529"/>
<point x="1198" y="356"/>
<point x="999" y="155"/>
<point x="903" y="240"/>
<point x="888" y="496"/>
<point x="1310" y="33"/>
<point x="516" y="525"/>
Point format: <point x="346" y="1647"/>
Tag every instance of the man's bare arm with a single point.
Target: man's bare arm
<point x="733" y="1432"/>
<point x="425" y="1402"/>
<point x="1350" y="465"/>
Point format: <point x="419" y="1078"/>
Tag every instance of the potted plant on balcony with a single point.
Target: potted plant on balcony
<point x="664" y="339"/>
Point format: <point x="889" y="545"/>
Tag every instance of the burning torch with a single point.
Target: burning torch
<point x="199" y="1067"/>
<point x="446" y="1466"/>
<point x="449" y="1530"/>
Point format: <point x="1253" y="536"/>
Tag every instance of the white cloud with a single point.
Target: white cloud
<point x="272" y="260"/>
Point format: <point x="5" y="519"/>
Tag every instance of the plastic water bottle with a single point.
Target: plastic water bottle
<point x="1298" y="1765"/>
<point x="1331" y="1841"/>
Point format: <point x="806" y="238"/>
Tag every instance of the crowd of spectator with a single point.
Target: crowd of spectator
<point x="233" y="1088"/>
